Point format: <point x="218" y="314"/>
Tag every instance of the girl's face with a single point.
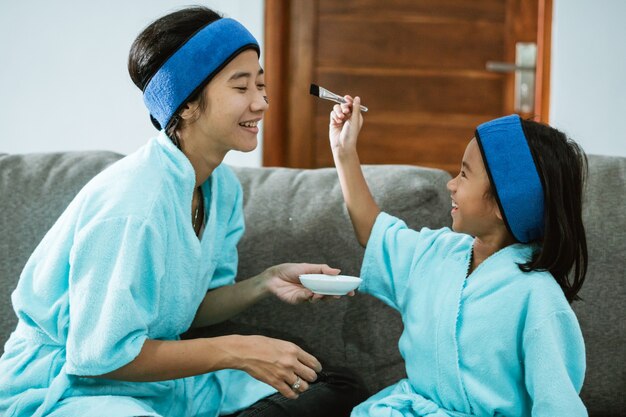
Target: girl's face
<point x="235" y="104"/>
<point x="474" y="211"/>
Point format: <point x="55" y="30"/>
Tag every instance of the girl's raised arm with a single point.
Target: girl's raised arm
<point x="345" y="123"/>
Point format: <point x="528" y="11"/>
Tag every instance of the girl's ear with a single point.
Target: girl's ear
<point x="498" y="213"/>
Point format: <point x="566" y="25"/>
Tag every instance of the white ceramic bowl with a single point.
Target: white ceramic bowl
<point x="330" y="284"/>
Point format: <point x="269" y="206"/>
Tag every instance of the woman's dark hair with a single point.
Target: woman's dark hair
<point x="157" y="42"/>
<point x="562" y="167"/>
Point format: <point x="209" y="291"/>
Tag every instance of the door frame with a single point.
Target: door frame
<point x="289" y="58"/>
<point x="286" y="134"/>
<point x="544" y="51"/>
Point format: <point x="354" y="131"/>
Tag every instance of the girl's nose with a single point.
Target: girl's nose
<point x="450" y="184"/>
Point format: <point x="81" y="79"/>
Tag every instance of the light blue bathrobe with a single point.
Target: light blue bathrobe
<point x="122" y="264"/>
<point x="500" y="342"/>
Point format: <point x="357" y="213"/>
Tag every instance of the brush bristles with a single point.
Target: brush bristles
<point x="315" y="90"/>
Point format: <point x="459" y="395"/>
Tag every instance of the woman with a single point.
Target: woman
<point x="148" y="248"/>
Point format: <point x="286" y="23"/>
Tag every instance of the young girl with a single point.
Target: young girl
<point x="488" y="329"/>
<point x="149" y="248"/>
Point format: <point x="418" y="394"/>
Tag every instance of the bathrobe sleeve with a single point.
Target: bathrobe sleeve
<point x="116" y="267"/>
<point x="554" y="362"/>
<point x="392" y="254"/>
<point x="226" y="268"/>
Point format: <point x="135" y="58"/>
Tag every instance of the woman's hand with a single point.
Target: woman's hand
<point x="276" y="362"/>
<point x="284" y="281"/>
<point x="345" y="124"/>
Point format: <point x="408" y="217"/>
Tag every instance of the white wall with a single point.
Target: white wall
<point x="64" y="84"/>
<point x="63" y="78"/>
<point x="588" y="82"/>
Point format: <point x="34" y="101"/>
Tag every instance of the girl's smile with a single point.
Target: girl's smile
<point x="455" y="208"/>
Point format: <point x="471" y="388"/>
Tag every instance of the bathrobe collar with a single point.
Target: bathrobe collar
<point x="182" y="167"/>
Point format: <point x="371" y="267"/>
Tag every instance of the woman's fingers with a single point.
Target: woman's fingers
<point x="315" y="298"/>
<point x="303" y="386"/>
<point x="283" y="365"/>
<point x="309" y="360"/>
<point x="325" y="269"/>
<point x="306" y="373"/>
<point x="299" y="384"/>
<point x="293" y="387"/>
<point x="306" y="268"/>
<point x="285" y="389"/>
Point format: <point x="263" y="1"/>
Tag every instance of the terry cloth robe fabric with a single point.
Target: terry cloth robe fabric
<point x="499" y="342"/>
<point x="122" y="264"/>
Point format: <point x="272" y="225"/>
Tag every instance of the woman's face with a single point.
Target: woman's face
<point x="474" y="212"/>
<point x="235" y="104"/>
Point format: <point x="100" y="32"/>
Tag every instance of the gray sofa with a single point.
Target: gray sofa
<point x="298" y="216"/>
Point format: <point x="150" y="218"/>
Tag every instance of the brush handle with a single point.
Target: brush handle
<point x="341" y="100"/>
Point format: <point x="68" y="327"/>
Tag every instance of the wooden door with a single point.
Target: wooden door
<point x="419" y="65"/>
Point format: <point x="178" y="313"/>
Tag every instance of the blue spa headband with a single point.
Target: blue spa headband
<point x="514" y="175"/>
<point x="193" y="65"/>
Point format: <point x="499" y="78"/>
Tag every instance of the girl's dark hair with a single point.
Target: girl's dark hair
<point x="157" y="42"/>
<point x="562" y="167"/>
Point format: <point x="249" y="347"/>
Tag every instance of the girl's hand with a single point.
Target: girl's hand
<point x="278" y="363"/>
<point x="284" y="281"/>
<point x="345" y="124"/>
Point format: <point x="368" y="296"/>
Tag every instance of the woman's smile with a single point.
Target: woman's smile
<point x="251" y="125"/>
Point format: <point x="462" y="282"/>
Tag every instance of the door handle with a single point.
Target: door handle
<point x="496" y="66"/>
<point x="524" y="69"/>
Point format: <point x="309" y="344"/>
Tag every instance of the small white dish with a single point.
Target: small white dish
<point x="330" y="284"/>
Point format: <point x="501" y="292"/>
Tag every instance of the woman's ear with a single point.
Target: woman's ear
<point x="189" y="111"/>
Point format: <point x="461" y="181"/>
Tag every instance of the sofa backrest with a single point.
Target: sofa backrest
<point x="34" y="191"/>
<point x="299" y="216"/>
<point x="366" y="337"/>
<point x="602" y="311"/>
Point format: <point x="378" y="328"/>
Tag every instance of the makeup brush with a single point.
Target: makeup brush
<point x="321" y="92"/>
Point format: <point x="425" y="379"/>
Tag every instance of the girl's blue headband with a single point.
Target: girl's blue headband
<point x="193" y="65"/>
<point x="514" y="176"/>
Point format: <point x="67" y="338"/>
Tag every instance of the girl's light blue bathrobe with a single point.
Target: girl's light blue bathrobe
<point x="499" y="342"/>
<point x="122" y="264"/>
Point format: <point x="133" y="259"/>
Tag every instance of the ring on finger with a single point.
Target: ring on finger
<point x="296" y="385"/>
